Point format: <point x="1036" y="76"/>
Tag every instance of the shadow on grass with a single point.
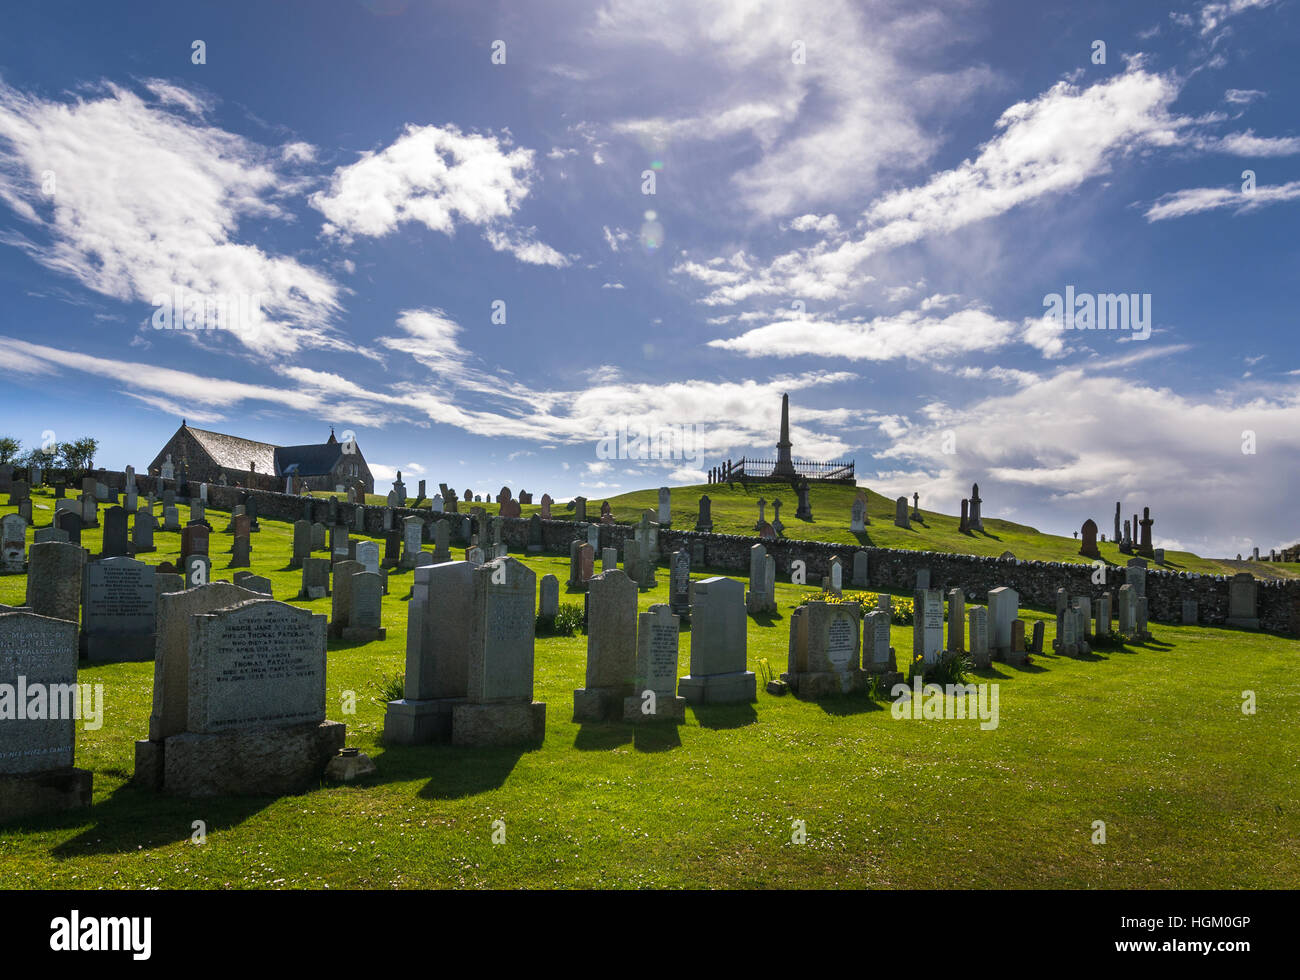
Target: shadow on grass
<point x="845" y="705"/>
<point x="601" y="737"/>
<point x="133" y="819"/>
<point x="657" y="736"/>
<point x="460" y="772"/>
<point x="766" y="620"/>
<point x="723" y="716"/>
<point x="864" y="538"/>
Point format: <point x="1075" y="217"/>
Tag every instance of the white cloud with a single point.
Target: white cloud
<point x="1046" y="146"/>
<point x="1242" y="96"/>
<point x="438" y="177"/>
<point x="147" y="200"/>
<point x="1247" y="144"/>
<point x="1196" y="199"/>
<point x="906" y="334"/>
<point x="612" y="285"/>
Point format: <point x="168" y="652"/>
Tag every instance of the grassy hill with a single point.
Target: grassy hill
<point x="735" y="510"/>
<point x="1149" y="738"/>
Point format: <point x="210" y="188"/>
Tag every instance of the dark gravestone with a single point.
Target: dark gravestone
<point x="115" y="533"/>
<point x="70" y="522"/>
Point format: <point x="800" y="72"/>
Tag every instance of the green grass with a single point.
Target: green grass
<point x="1149" y="738"/>
<point x="735" y="510"/>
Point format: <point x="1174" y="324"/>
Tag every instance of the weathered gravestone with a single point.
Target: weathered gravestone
<point x="142" y="533"/>
<point x="611" y="647"/>
<point x="412" y="535"/>
<point x="824" y="656"/>
<point x="900" y="513"/>
<point x="500" y="709"/>
<point x="679" y="584"/>
<point x="718" y="645"/>
<point x="115" y="534"/>
<point x="54" y="578"/>
<point x="704" y="520"/>
<point x="38" y="680"/>
<point x="980" y="654"/>
<point x="437" y="654"/>
<point x="877" y="655"/>
<point x="241" y="547"/>
<point x="1243" y="597"/>
<point x="255" y="721"/>
<point x="301" y="543"/>
<point x="365" y="618"/>
<point x="654" y="689"/>
<point x="315" y="578"/>
<point x="442" y="541"/>
<point x="956" y="619"/>
<point x="341" y="594"/>
<point x="13" y="544"/>
<point x="1004" y="608"/>
<point x="927" y="628"/>
<point x="549" y="599"/>
<point x="861" y="579"/>
<point x="761" y="597"/>
<point x="119" y="610"/>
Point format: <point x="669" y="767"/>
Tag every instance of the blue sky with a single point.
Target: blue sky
<point x="863" y="204"/>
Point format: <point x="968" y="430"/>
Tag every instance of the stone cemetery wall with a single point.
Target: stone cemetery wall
<point x="888" y="569"/>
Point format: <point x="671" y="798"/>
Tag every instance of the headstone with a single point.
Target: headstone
<point x="923" y="578"/>
<point x="301" y="543"/>
<point x="69" y="522"/>
<point x="665" y="514"/>
<point x="761" y="597"/>
<point x="13" y="543"/>
<point x="341" y="596"/>
<point x="803" y="511"/>
<point x="580" y="509"/>
<point x="366" y="616"/>
<point x="877" y="655"/>
<point x="37" y="751"/>
<point x="241" y="547"/>
<point x="835" y="576"/>
<point x="654" y="691"/>
<point x="115" y="533"/>
<point x="437" y="654"/>
<point x="1243" y="595"/>
<point x="608" y="559"/>
<point x="535" y="535"/>
<point x="861" y="580"/>
<point x="1004" y="608"/>
<point x="1189" y="612"/>
<point x="119" y="610"/>
<point x="857" y="514"/>
<point x="256" y="691"/>
<point x="824" y="650"/>
<point x="1136" y="576"/>
<point x="197" y="570"/>
<point x="89" y="511"/>
<point x="546" y="506"/>
<point x="43" y="534"/>
<point x="679" y="584"/>
<point x="318" y="537"/>
<point x="315" y="578"/>
<point x="704" y="520"/>
<point x="1103" y="617"/>
<point x="194" y="540"/>
<point x="1040" y="631"/>
<point x="500" y="709"/>
<point x="956" y="619"/>
<point x="54" y="580"/>
<point x="611" y="647"/>
<point x="927" y="627"/>
<point x="549" y="598"/>
<point x="976" y="519"/>
<point x="368" y="555"/>
<point x="900" y="514"/>
<point x="338" y="543"/>
<point x="718" y="645"/>
<point x="1127" y="611"/>
<point x="1088" y="546"/>
<point x="980" y="654"/>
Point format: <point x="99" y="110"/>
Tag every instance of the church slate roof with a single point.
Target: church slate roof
<point x="313" y="460"/>
<point x="235" y="453"/>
